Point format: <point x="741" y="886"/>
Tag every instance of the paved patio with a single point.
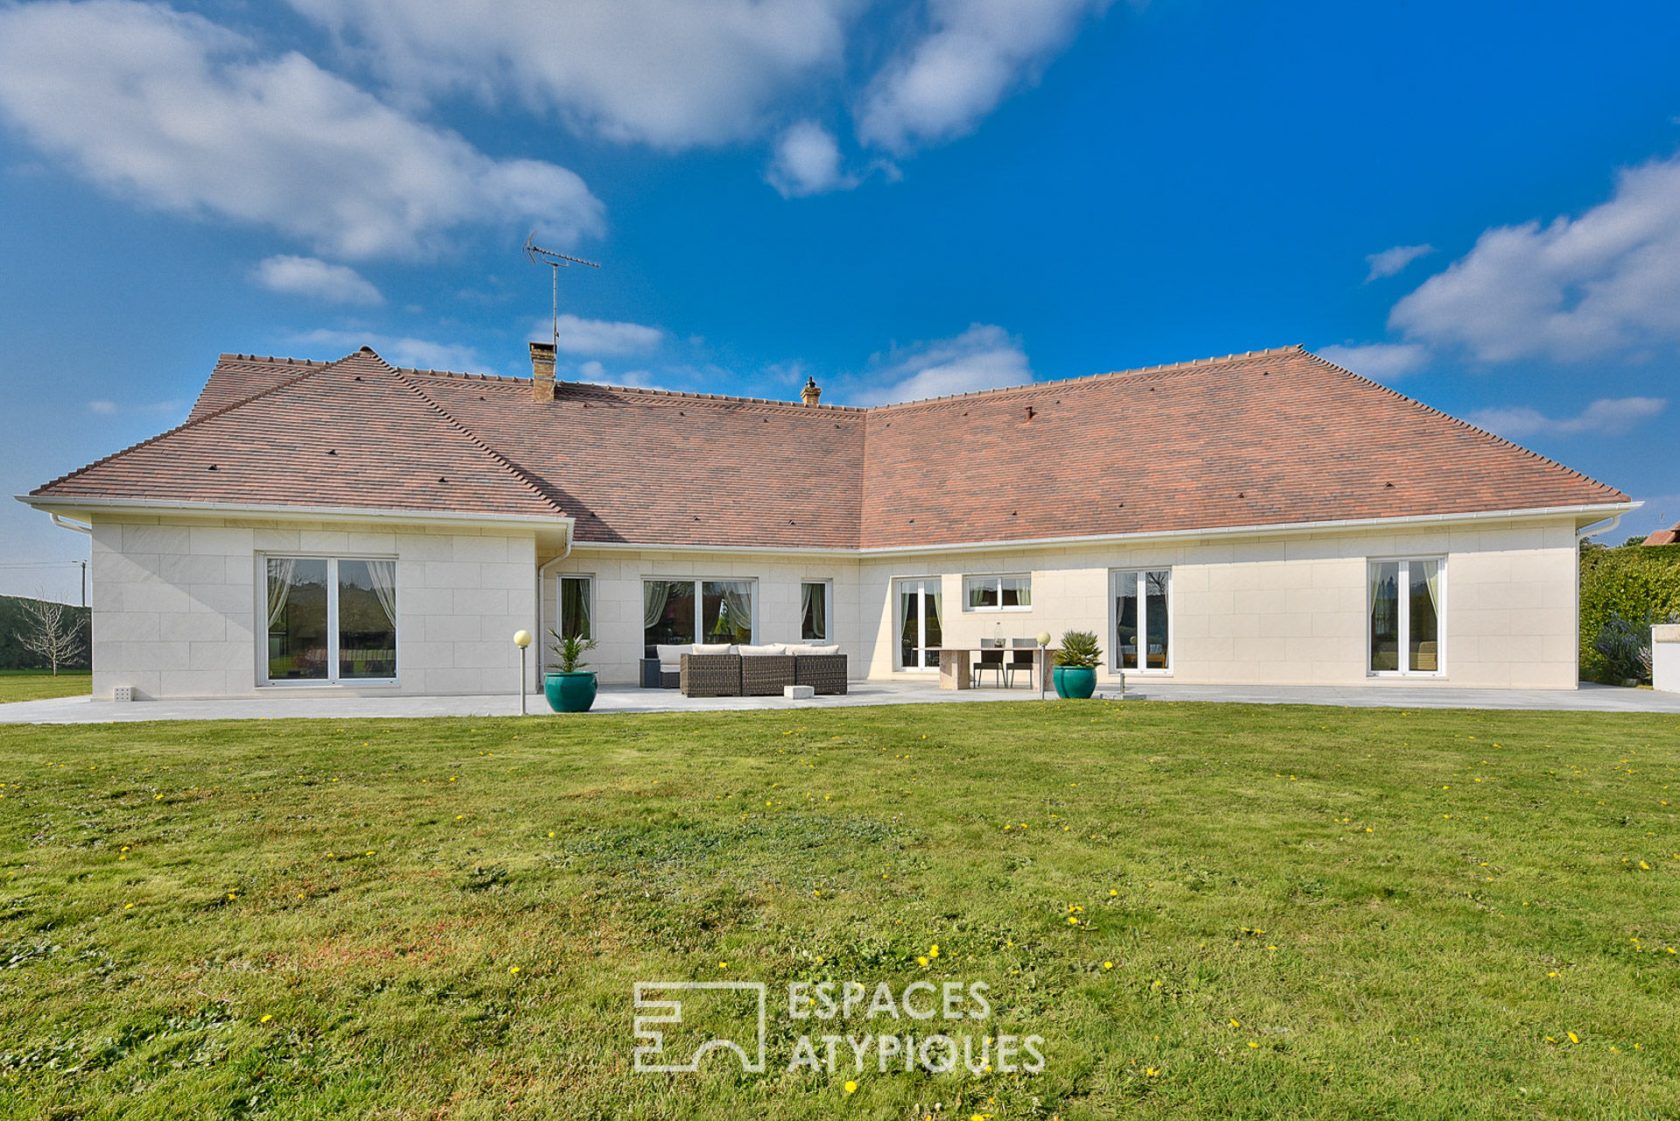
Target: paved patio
<point x="623" y="699"/>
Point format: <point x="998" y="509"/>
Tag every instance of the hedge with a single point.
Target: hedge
<point x="1632" y="580"/>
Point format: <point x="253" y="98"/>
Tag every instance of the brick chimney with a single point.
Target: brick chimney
<point x="542" y="371"/>
<point x="812" y="393"/>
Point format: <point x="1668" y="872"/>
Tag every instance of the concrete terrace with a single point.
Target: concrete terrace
<point x="619" y="699"/>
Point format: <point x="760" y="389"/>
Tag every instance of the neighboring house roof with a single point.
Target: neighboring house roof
<point x="1670" y="536"/>
<point x="1276" y="437"/>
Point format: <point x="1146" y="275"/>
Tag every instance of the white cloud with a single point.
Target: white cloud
<point x="670" y="73"/>
<point x="974" y="53"/>
<point x="1608" y="416"/>
<point x="1377" y="361"/>
<point x="983" y="357"/>
<point x="104" y="406"/>
<point x="398" y="350"/>
<point x="1391" y="261"/>
<point x="807" y="162"/>
<point x="173" y="110"/>
<point x="1568" y="290"/>
<point x="313" y="277"/>
<point x="599" y="336"/>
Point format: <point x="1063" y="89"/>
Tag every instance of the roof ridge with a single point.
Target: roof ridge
<point x="1433" y="411"/>
<point x="519" y="473"/>
<point x="193" y="421"/>
<point x="1050" y="383"/>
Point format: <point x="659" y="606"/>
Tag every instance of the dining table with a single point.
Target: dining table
<point x="956" y="664"/>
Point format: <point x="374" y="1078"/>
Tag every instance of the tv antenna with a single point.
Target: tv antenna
<point x="537" y="255"/>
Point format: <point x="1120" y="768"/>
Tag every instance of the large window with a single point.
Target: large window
<point x="997" y="593"/>
<point x="331" y="619"/>
<point x="1405" y="613"/>
<point x="576" y="607"/>
<point x="677" y="612"/>
<point x="815" y="604"/>
<point x="1142" y="636"/>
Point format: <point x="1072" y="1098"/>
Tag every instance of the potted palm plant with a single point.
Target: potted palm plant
<point x="1075" y="674"/>
<point x="571" y="688"/>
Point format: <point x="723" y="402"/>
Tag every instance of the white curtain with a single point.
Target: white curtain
<point x="1432" y="579"/>
<point x="813" y="605"/>
<point x="280" y="572"/>
<point x="383" y="575"/>
<point x="1376" y="588"/>
<point x="655" y="594"/>
<point x="737" y="606"/>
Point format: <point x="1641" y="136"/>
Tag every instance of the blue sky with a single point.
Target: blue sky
<point x="1477" y="204"/>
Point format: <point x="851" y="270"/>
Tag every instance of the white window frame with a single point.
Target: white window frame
<point x="828" y="609"/>
<point x="1405" y="617"/>
<point x="1141" y="572"/>
<point x="332" y="680"/>
<point x="560" y="601"/>
<point x="996" y="579"/>
<point x="921" y="622"/>
<point x="699" y="583"/>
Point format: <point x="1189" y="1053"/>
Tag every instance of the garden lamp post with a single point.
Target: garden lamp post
<point x="1043" y="661"/>
<point x="522" y="639"/>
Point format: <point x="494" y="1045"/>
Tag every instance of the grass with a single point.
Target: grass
<point x="1310" y="913"/>
<point x="36" y="685"/>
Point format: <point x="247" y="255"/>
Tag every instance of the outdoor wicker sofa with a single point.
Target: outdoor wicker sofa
<point x="750" y="671"/>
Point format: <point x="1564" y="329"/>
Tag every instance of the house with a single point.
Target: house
<point x="1263" y="517"/>
<point x="1669" y="536"/>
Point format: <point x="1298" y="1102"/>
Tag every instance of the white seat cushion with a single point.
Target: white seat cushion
<point x="833" y="648"/>
<point x="769" y="649"/>
<point x="670" y="657"/>
<point x="711" y="648"/>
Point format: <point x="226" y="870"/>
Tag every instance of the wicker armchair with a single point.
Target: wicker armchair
<point x="764" y="675"/>
<point x="711" y="675"/>
<point x="826" y="673"/>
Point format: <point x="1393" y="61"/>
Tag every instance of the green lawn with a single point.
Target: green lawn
<point x="35" y="685"/>
<point x="1310" y="913"/>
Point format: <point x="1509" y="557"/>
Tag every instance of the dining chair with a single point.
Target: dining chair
<point x="991" y="658"/>
<point x="1023" y="656"/>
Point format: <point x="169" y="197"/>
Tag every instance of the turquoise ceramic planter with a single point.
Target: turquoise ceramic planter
<point x="1074" y="683"/>
<point x="570" y="692"/>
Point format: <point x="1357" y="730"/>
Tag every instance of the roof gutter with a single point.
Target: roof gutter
<point x="1599" y="511"/>
<point x="285" y="512"/>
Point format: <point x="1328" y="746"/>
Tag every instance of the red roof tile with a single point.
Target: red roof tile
<point x="1269" y="438"/>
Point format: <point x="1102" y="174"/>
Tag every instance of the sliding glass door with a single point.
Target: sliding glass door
<point x="331" y="620"/>
<point x="1142" y="619"/>
<point x="919" y="632"/>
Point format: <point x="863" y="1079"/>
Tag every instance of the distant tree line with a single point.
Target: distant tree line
<point x="22" y="628"/>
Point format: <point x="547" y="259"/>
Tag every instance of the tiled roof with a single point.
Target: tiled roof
<point x="1664" y="537"/>
<point x="1268" y="438"/>
<point x="353" y="433"/>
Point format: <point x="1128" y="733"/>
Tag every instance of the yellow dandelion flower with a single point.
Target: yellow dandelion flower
<point x="1236" y="1023"/>
<point x="1573" y="1038"/>
<point x="266" y="1018"/>
<point x="933" y="950"/>
<point x="1254" y="1045"/>
<point x="922" y="961"/>
<point x="851" y="1087"/>
<point x="513" y="971"/>
<point x="723" y="965"/>
<point x="1108" y="965"/>
<point x="1150" y="1072"/>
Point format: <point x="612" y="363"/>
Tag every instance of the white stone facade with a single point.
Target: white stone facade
<point x="176" y="601"/>
<point x="176" y="604"/>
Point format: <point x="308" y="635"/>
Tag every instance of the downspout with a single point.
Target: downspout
<point x="1584" y="533"/>
<point x="63" y="522"/>
<point x="542" y="590"/>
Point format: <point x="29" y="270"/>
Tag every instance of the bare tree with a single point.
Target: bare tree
<point x="49" y="634"/>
